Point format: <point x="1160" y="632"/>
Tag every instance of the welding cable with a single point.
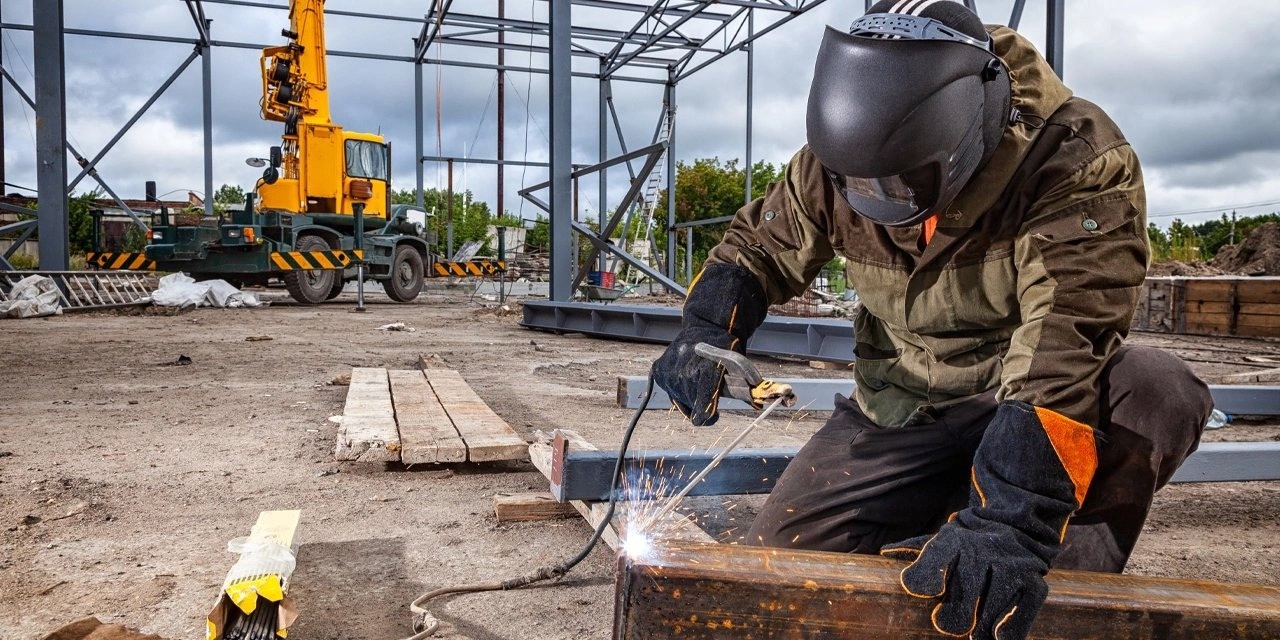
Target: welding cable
<point x="425" y="624"/>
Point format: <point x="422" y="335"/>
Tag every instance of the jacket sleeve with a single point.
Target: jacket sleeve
<point x="782" y="237"/>
<point x="1081" y="260"/>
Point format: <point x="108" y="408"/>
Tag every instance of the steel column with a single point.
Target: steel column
<point x="602" y="154"/>
<point x="1055" y="17"/>
<point x="1015" y="16"/>
<point x="206" y="80"/>
<point x="51" y="135"/>
<point x="751" y="65"/>
<point x="672" y="239"/>
<point x="502" y="111"/>
<point x="418" y="134"/>
<point x="4" y="183"/>
<point x="561" y="117"/>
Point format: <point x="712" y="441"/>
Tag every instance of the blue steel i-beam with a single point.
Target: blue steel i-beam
<point x="560" y="108"/>
<point x="51" y="135"/>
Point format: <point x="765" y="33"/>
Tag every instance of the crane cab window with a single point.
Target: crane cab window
<point x="367" y="160"/>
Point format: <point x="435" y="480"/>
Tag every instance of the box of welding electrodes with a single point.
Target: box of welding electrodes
<point x="254" y="601"/>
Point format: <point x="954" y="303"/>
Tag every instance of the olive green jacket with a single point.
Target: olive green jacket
<point x="1028" y="284"/>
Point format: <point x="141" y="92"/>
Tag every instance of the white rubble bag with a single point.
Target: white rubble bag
<point x="31" y="297"/>
<point x="181" y="290"/>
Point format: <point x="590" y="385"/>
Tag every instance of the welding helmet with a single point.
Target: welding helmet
<point x="906" y="107"/>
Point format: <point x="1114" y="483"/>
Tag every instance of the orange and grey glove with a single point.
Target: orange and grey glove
<point x="986" y="565"/>
<point x="725" y="305"/>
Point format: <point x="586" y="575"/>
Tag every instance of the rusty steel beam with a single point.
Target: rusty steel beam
<point x="691" y="590"/>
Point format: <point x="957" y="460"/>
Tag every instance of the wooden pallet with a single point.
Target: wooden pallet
<point x="421" y="417"/>
<point x="1224" y="305"/>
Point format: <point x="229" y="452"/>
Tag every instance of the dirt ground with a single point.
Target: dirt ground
<point x="123" y="477"/>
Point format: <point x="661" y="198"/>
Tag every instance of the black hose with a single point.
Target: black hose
<point x="425" y="624"/>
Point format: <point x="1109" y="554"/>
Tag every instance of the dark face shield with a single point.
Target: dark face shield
<point x="891" y="199"/>
<point x="900" y="123"/>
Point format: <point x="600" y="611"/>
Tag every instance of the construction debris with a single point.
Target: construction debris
<point x="525" y="507"/>
<point x="91" y="628"/>
<point x="181" y="290"/>
<point x="396" y="326"/>
<point x="31" y="297"/>
<point x="1258" y="255"/>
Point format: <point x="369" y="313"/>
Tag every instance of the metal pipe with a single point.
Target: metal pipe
<point x="602" y="152"/>
<point x="449" y="214"/>
<point x="751" y="61"/>
<point x="670" y="103"/>
<point x="419" y="133"/>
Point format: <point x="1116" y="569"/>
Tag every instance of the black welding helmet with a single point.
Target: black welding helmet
<point x="906" y="107"/>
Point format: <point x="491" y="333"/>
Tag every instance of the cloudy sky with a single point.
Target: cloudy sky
<point x="1195" y="88"/>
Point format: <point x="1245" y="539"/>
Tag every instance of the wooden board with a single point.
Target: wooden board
<point x="488" y="436"/>
<point x="368" y="432"/>
<point x="524" y="507"/>
<point x="426" y="433"/>
<point x="690" y="590"/>
<point x="679" y="527"/>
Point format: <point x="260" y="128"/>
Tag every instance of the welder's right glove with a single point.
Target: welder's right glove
<point x="986" y="565"/>
<point x="725" y="305"/>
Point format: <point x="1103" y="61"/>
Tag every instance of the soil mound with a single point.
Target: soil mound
<point x="1179" y="268"/>
<point x="1258" y="255"/>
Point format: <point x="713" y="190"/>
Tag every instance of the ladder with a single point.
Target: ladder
<point x="89" y="290"/>
<point x="637" y="240"/>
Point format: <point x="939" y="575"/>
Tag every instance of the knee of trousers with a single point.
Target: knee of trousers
<point x="1155" y="394"/>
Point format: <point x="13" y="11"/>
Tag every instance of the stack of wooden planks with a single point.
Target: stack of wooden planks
<point x="429" y="416"/>
<point x="1224" y="305"/>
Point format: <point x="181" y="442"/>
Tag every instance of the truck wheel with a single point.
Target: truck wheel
<point x="405" y="280"/>
<point x="337" y="287"/>
<point x="310" y="287"/>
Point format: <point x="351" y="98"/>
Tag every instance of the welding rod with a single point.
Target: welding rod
<point x="671" y="504"/>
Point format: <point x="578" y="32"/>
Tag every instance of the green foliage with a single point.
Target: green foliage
<point x="80" y="222"/>
<point x="24" y="261"/>
<point x="228" y="194"/>
<point x="709" y="188"/>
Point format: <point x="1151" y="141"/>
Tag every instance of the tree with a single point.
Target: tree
<point x="228" y="194"/>
<point x="80" y="221"/>
<point x="708" y="188"/>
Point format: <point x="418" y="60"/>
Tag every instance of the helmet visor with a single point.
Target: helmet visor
<point x="897" y="200"/>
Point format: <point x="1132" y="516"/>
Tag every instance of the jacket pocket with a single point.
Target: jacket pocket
<point x="1097" y="216"/>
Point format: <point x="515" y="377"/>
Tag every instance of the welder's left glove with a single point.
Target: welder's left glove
<point x="987" y="563"/>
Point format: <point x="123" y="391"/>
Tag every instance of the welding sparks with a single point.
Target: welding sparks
<point x="636" y="544"/>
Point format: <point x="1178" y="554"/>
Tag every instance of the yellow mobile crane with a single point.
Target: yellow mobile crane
<point x="305" y="220"/>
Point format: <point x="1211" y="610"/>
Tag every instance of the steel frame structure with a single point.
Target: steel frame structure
<point x="666" y="41"/>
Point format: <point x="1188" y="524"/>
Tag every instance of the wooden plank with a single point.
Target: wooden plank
<point x="368" y="432"/>
<point x="689" y="590"/>
<point x="1211" y="289"/>
<point x="525" y="507"/>
<point x="674" y="524"/>
<point x="1259" y="289"/>
<point x="1201" y="307"/>
<point x="426" y="433"/>
<point x="1261" y="308"/>
<point x="488" y="437"/>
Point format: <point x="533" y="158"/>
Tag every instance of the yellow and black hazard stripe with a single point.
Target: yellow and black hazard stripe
<point x="117" y="261"/>
<point x="464" y="269"/>
<point x="308" y="260"/>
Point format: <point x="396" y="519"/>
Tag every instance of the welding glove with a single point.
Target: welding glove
<point x="987" y="563"/>
<point x="725" y="305"/>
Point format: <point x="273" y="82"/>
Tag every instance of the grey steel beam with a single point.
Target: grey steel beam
<point x="600" y="245"/>
<point x="683" y="66"/>
<point x="206" y="83"/>
<point x="706" y="221"/>
<point x="51" y="135"/>
<point x="587" y="475"/>
<point x="519" y="163"/>
<point x="655" y="153"/>
<point x="1246" y="399"/>
<point x="1015" y="15"/>
<point x="818" y="394"/>
<point x="751" y="62"/>
<point x="824" y="339"/>
<point x="3" y="156"/>
<point x="560" y="109"/>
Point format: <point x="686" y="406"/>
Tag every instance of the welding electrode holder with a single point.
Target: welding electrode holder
<point x="742" y="380"/>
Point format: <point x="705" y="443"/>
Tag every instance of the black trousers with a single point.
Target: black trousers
<point x="855" y="486"/>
